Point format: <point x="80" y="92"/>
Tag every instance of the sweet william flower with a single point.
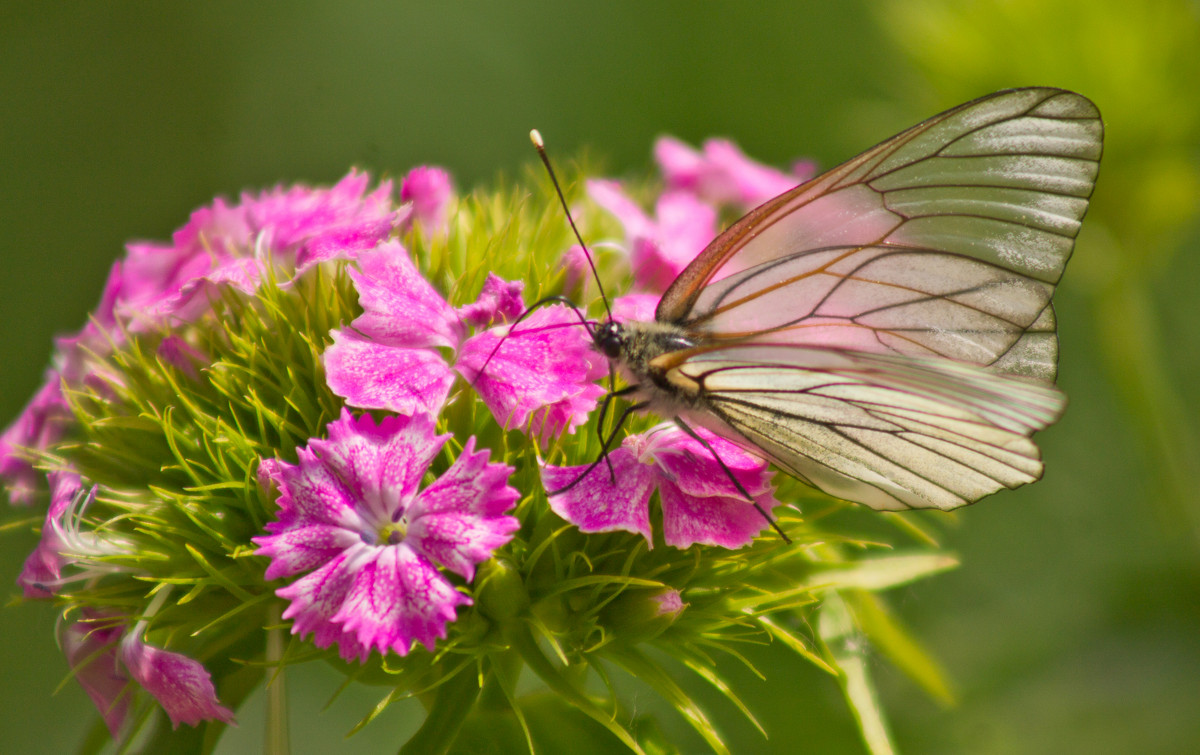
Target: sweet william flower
<point x="720" y="173"/>
<point x="540" y="379"/>
<point x="354" y="521"/>
<point x="662" y="245"/>
<point x="700" y="505"/>
<point x="228" y="244"/>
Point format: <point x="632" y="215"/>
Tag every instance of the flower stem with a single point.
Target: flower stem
<point x="275" y="739"/>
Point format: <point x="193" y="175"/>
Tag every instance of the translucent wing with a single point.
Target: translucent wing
<point x="888" y="431"/>
<point x="944" y="241"/>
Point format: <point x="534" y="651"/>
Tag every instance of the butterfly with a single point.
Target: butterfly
<point x="884" y="332"/>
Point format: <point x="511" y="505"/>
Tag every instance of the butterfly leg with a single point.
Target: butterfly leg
<point x="603" y="449"/>
<point x="605" y="403"/>
<point x="740" y="488"/>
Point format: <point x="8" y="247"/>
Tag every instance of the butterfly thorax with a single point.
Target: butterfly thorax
<point x="633" y="348"/>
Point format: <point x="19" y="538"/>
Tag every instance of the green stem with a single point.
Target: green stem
<point x="276" y="736"/>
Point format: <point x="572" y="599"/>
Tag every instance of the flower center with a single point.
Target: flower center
<point x="393" y="533"/>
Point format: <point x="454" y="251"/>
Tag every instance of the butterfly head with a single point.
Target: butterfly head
<point x="610" y="339"/>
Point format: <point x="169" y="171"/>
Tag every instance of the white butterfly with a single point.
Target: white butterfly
<point x="884" y="332"/>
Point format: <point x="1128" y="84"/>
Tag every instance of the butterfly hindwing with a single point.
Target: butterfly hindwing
<point x="890" y="432"/>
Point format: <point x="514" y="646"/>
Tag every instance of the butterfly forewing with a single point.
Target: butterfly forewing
<point x="944" y="241"/>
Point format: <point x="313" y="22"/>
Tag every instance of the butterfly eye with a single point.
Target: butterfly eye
<point x="610" y="339"/>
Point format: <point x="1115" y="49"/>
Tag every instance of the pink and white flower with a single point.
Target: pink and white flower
<point x="354" y="521"/>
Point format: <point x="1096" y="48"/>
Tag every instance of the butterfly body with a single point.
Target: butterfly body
<point x="884" y="332"/>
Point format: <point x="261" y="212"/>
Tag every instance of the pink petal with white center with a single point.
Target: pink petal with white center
<point x="310" y="493"/>
<point x="712" y="520"/>
<point x="380" y="465"/>
<point x="600" y="502"/>
<point x="43" y="567"/>
<point x="90" y="648"/>
<point x="430" y="190"/>
<point x="303" y="548"/>
<point x="546" y="359"/>
<point x="400" y="307"/>
<point x="182" y="686"/>
<point x="499" y="301"/>
<point x="398" y="598"/>
<point x="458" y="521"/>
<point x="371" y="375"/>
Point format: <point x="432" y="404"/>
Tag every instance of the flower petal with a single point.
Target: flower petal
<point x="430" y="190"/>
<point x="458" y="521"/>
<point x="400" y="307"/>
<point x="597" y="503"/>
<point x="381" y="465"/>
<point x="499" y="301"/>
<point x="372" y="375"/>
<point x="711" y="520"/>
<point x="182" y="686"/>
<point x="318" y="596"/>
<point x="44" y="566"/>
<point x="399" y="598"/>
<point x="91" y="652"/>
<point x="688" y="464"/>
<point x="43" y="422"/>
<point x="546" y="360"/>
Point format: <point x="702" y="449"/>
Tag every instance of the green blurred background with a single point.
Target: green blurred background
<point x="1073" y="624"/>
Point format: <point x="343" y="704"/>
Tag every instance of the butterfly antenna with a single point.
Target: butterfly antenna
<point x="540" y="302"/>
<point x="540" y="146"/>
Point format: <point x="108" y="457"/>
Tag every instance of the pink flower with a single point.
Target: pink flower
<point x="42" y="423"/>
<point x="499" y="301"/>
<point x="90" y="646"/>
<point x="369" y="542"/>
<point x="542" y="375"/>
<point x="228" y="245"/>
<point x="430" y="190"/>
<point x="540" y="379"/>
<point x="722" y="174"/>
<point x="105" y="663"/>
<point x="699" y="502"/>
<point x="181" y="685"/>
<point x="659" y="247"/>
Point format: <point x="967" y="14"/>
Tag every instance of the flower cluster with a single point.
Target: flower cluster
<point x="328" y="412"/>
